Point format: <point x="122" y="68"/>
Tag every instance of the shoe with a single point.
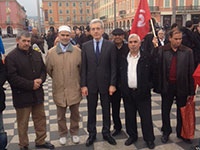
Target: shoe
<point x="116" y="132"/>
<point x="46" y="145"/>
<point x="109" y="139"/>
<point x="150" y="144"/>
<point x="63" y="140"/>
<point x="90" y="140"/>
<point x="164" y="138"/>
<point x="130" y="141"/>
<point x="75" y="139"/>
<point x="188" y="141"/>
<point x="24" y="148"/>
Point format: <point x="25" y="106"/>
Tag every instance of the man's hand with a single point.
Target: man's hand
<point x="155" y="42"/>
<point x="39" y="81"/>
<point x="84" y="91"/>
<point x="36" y="85"/>
<point x="112" y="90"/>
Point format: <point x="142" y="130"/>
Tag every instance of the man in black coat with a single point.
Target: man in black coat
<point x="190" y="40"/>
<point x="98" y="76"/>
<point x="175" y="68"/>
<point x="26" y="73"/>
<point x="136" y="82"/>
<point x="121" y="49"/>
<point x="3" y="136"/>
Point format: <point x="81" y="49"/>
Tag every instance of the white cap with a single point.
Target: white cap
<point x="64" y="28"/>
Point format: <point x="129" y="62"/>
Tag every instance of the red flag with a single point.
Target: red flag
<point x="141" y="21"/>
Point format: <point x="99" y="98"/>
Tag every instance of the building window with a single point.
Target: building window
<point x="67" y="19"/>
<point x="181" y="2"/>
<point x="151" y="2"/>
<point x="61" y="19"/>
<point x="60" y="4"/>
<point x="124" y="5"/>
<point x="127" y="5"/>
<point x="167" y="3"/>
<point x="80" y="4"/>
<point x="81" y="18"/>
<point x="67" y="11"/>
<point x="7" y="4"/>
<point x="132" y="4"/>
<point x="74" y="11"/>
<point x="196" y="2"/>
<point x="50" y="19"/>
<point x="60" y="11"/>
<point x="88" y="11"/>
<point x="74" y="18"/>
<point x="8" y="18"/>
<point x="87" y="3"/>
<point x="50" y="11"/>
<point x="49" y="4"/>
<point x="74" y="4"/>
<point x="67" y="4"/>
<point x="81" y="11"/>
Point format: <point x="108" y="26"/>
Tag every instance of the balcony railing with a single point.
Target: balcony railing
<point x="78" y="22"/>
<point x="103" y="17"/>
<point x="122" y="13"/>
<point x="188" y="8"/>
<point x="8" y="22"/>
<point x="154" y="8"/>
<point x="51" y="22"/>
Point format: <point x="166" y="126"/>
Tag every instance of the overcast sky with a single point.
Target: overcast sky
<point x="30" y="6"/>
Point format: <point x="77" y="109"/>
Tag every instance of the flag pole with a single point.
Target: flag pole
<point x="153" y="29"/>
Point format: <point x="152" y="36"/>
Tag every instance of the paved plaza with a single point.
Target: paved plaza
<point x="52" y="128"/>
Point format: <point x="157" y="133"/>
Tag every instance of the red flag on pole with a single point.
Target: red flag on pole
<point x="141" y="21"/>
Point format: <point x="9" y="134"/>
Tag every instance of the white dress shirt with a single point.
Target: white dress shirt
<point x="132" y="70"/>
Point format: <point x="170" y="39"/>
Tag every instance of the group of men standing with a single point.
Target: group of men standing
<point x="111" y="70"/>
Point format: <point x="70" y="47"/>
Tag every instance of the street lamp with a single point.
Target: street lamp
<point x="39" y="20"/>
<point x="115" y="14"/>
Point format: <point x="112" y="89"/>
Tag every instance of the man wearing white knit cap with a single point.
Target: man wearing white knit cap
<point x="63" y="63"/>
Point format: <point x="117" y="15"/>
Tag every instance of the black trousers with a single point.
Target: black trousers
<point x="167" y="101"/>
<point x="92" y="105"/>
<point x="115" y="101"/>
<point x="136" y="103"/>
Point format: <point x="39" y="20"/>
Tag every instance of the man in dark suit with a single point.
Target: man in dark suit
<point x="161" y="38"/>
<point x="136" y="83"/>
<point x="98" y="76"/>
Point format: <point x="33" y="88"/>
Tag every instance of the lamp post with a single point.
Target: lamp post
<point x="115" y="25"/>
<point x="173" y="11"/>
<point x="39" y="20"/>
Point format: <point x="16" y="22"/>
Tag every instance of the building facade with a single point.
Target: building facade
<point x="68" y="12"/>
<point x="161" y="11"/>
<point x="12" y="17"/>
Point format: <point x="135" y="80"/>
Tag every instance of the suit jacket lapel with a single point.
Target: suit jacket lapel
<point x="92" y="52"/>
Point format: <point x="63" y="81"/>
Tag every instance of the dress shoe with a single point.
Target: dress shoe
<point x="116" y="132"/>
<point x="188" y="141"/>
<point x="164" y="138"/>
<point x="45" y="145"/>
<point x="109" y="139"/>
<point x="90" y="140"/>
<point x="24" y="148"/>
<point x="150" y="144"/>
<point x="130" y="141"/>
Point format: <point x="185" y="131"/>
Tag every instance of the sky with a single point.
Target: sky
<point x="30" y="6"/>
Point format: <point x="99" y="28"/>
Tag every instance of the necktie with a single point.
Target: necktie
<point x="97" y="50"/>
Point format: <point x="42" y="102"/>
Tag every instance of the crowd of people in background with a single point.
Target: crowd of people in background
<point x="91" y="63"/>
